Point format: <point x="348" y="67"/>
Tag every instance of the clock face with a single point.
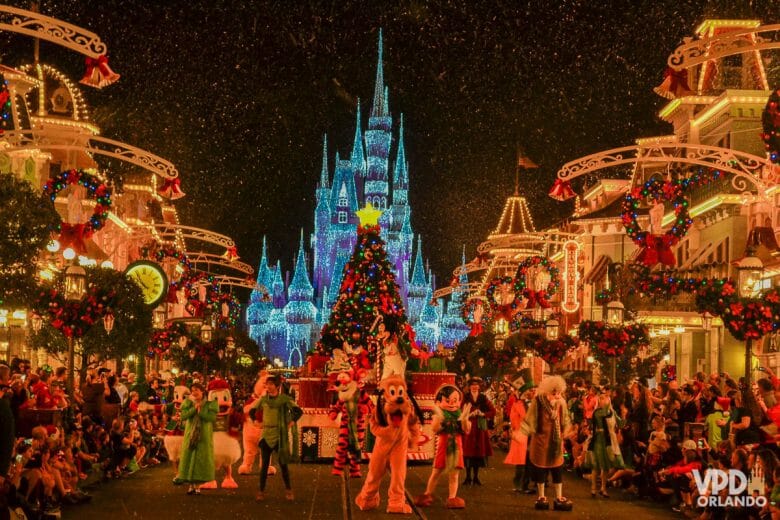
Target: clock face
<point x="150" y="278"/>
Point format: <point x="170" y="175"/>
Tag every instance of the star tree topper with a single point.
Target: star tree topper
<point x="369" y="216"/>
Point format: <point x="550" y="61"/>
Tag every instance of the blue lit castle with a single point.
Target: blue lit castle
<point x="286" y="321"/>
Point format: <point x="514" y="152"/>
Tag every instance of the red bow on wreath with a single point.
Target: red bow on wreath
<point x="171" y="189"/>
<point x="477" y="329"/>
<point x="98" y="73"/>
<point x="537" y="297"/>
<point x="657" y="249"/>
<point x="561" y="190"/>
<point x="74" y="236"/>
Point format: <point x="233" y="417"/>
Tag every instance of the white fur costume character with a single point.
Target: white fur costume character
<point x="174" y="430"/>
<point x="253" y="430"/>
<point x="227" y="450"/>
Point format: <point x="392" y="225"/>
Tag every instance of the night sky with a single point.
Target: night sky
<point x="239" y="93"/>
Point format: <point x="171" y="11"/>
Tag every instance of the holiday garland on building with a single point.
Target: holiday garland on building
<point x="770" y="119"/>
<point x="553" y="351"/>
<point x="610" y="341"/>
<point x="5" y="104"/>
<point x="368" y="293"/>
<point x="539" y="297"/>
<point x="505" y="296"/>
<point x="74" y="318"/>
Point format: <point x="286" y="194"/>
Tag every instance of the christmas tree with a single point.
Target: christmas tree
<point x="368" y="295"/>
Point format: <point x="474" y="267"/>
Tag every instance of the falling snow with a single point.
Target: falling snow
<point x="238" y="94"/>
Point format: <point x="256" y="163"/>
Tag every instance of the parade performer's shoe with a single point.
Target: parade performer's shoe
<point x="177" y="481"/>
<point x="542" y="503"/>
<point x="209" y="485"/>
<point x="403" y="509"/>
<point x="289" y="495"/>
<point x="467" y="482"/>
<point x="243" y="470"/>
<point x="367" y="503"/>
<point x="229" y="483"/>
<point x="477" y="482"/>
<point x="455" y="503"/>
<point x="604" y="493"/>
<point x="259" y="496"/>
<point x="271" y="470"/>
<point x="337" y="472"/>
<point x="563" y="504"/>
<point x="191" y="490"/>
<point x="423" y="500"/>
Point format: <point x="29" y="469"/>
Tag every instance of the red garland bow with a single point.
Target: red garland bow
<point x="98" y="73"/>
<point x="231" y="255"/>
<point x="74" y="235"/>
<point x="561" y="190"/>
<point x="537" y="297"/>
<point x="656" y="250"/>
<point x="477" y="329"/>
<point x="171" y="189"/>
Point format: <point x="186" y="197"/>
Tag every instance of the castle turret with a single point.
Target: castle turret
<point x="260" y="304"/>
<point x="299" y="312"/>
<point x="417" y="285"/>
<point x="428" y="328"/>
<point x="453" y="328"/>
<point x="322" y="218"/>
<point x="378" y="137"/>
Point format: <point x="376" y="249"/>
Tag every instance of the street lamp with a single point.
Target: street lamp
<point x="615" y="310"/>
<point x="551" y="328"/>
<point x="205" y="333"/>
<point x="36" y="322"/>
<point x="158" y="317"/>
<point x="706" y="321"/>
<point x="750" y="269"/>
<point x="75" y="288"/>
<point x="108" y="322"/>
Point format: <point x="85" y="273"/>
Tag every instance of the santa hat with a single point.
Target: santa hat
<point x="218" y="384"/>
<point x="723" y="403"/>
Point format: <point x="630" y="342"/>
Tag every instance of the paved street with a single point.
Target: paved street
<point x="149" y="494"/>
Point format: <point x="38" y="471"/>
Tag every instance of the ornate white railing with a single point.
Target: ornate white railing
<point x="169" y="231"/>
<point x="747" y="169"/>
<point x="52" y="30"/>
<point x="23" y="139"/>
<point x="695" y="52"/>
<point x="216" y="260"/>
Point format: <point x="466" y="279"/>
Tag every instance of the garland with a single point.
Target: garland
<point x="75" y="234"/>
<point x="612" y="341"/>
<point x="542" y="297"/>
<point x="476" y="324"/>
<point x="162" y="341"/>
<point x="171" y="252"/>
<point x="499" y="308"/>
<point x="227" y="308"/>
<point x="74" y="319"/>
<point x="520" y="321"/>
<point x="656" y="248"/>
<point x="554" y="351"/>
<point x="604" y="296"/>
<point x="5" y="104"/>
<point x="770" y="118"/>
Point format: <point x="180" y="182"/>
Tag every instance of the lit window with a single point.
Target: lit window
<point x="342" y="202"/>
<point x="342" y="217"/>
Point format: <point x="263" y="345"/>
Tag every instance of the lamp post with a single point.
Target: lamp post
<point x="205" y="337"/>
<point x="551" y="329"/>
<point x="750" y="269"/>
<point x="75" y="288"/>
<point x="615" y="310"/>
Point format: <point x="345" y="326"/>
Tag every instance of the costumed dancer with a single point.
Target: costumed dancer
<point x="548" y="421"/>
<point x="393" y="361"/>
<point x="353" y="405"/>
<point x="396" y="429"/>
<point x="196" y="465"/>
<point x="227" y="449"/>
<point x="174" y="429"/>
<point x="278" y="413"/>
<point x="604" y="449"/>
<point x="252" y="429"/>
<point x="450" y="423"/>
<point x="476" y="446"/>
<point x="518" y="445"/>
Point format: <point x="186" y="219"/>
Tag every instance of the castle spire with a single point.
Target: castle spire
<point x="418" y="272"/>
<point x="301" y="288"/>
<point x="358" y="156"/>
<point x="324" y="172"/>
<point x="379" y="109"/>
<point x="400" y="174"/>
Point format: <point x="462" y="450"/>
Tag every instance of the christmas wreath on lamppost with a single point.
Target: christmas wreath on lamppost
<point x="74" y="235"/>
<point x="540" y="297"/>
<point x="476" y="313"/>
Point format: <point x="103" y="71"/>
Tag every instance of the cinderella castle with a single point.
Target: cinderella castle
<point x="286" y="320"/>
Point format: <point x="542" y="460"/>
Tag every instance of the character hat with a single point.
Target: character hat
<point x="524" y="381"/>
<point x="218" y="384"/>
<point x="475" y="381"/>
<point x="723" y="402"/>
<point x="689" y="444"/>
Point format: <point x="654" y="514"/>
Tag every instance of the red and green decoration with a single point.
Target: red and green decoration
<point x="5" y="104"/>
<point x="610" y="342"/>
<point x="604" y="296"/>
<point x="770" y="119"/>
<point x="745" y="318"/>
<point x="654" y="248"/>
<point x="164" y="341"/>
<point x="75" y="235"/>
<point x="227" y="309"/>
<point x="553" y="351"/>
<point x="539" y="297"/>
<point x="74" y="319"/>
<point x="476" y="313"/>
<point x="160" y="254"/>
<point x="505" y="296"/>
<point x="368" y="291"/>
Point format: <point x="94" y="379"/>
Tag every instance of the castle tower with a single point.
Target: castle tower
<point x="299" y="312"/>
<point x="417" y="286"/>
<point x="453" y="329"/>
<point x="358" y="157"/>
<point x="378" y="137"/>
<point x="322" y="219"/>
<point x="259" y="309"/>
